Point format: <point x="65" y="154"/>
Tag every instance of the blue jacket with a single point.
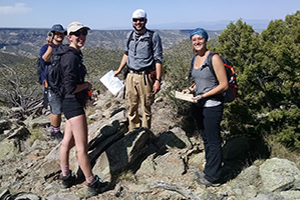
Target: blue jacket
<point x="45" y="64"/>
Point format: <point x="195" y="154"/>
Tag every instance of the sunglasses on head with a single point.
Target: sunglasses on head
<point x="78" y="33"/>
<point x="139" y="19"/>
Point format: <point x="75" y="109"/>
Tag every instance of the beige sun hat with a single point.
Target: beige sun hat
<point x="75" y="26"/>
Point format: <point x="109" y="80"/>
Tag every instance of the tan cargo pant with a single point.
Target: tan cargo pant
<point x="139" y="90"/>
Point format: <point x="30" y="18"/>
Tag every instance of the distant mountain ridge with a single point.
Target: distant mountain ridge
<point x="257" y="24"/>
<point x="27" y="42"/>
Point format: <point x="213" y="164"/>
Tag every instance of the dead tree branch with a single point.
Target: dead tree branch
<point x="179" y="189"/>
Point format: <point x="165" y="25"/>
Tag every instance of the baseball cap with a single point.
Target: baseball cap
<point x="139" y="13"/>
<point x="75" y="26"/>
<point x="58" y="28"/>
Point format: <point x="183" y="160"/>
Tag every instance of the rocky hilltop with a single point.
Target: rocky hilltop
<point x="161" y="163"/>
<point x="27" y="42"/>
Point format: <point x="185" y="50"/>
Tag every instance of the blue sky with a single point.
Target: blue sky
<point x="116" y="14"/>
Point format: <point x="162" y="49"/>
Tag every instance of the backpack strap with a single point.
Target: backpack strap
<point x="151" y="33"/>
<point x="150" y="38"/>
<point x="192" y="66"/>
<point x="209" y="62"/>
<point x="129" y="39"/>
<point x="150" y="41"/>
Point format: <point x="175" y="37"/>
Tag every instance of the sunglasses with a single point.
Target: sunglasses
<point x="59" y="33"/>
<point x="140" y="19"/>
<point x="78" y="33"/>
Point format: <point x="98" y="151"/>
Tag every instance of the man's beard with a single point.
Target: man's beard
<point x="140" y="28"/>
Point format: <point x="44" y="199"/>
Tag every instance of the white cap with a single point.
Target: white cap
<point x="139" y="13"/>
<point x="75" y="26"/>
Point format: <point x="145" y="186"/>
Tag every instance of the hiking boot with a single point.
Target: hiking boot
<point x="96" y="188"/>
<point x="68" y="181"/>
<point x="57" y="135"/>
<point x="199" y="174"/>
<point x="204" y="181"/>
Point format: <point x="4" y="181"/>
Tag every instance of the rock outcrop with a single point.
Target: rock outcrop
<point x="160" y="163"/>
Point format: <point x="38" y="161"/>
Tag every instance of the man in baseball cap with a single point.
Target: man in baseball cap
<point x="143" y="57"/>
<point x="58" y="28"/>
<point x="55" y="38"/>
<point x="139" y="13"/>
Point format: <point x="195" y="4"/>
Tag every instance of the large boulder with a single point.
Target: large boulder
<point x="279" y="175"/>
<point x="13" y="143"/>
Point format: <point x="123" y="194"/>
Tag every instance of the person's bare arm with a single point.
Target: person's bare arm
<point x="48" y="54"/>
<point x="122" y="64"/>
<point x="156" y="86"/>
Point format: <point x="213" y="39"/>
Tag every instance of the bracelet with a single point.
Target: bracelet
<point x="201" y="97"/>
<point x="190" y="90"/>
<point x="158" y="79"/>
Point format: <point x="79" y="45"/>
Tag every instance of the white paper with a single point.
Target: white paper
<point x="113" y="83"/>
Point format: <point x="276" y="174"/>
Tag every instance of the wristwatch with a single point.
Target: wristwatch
<point x="158" y="79"/>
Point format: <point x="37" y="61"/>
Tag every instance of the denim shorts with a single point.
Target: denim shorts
<point x="55" y="103"/>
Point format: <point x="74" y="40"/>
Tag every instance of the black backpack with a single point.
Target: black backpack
<point x="41" y="71"/>
<point x="231" y="93"/>
<point x="55" y="76"/>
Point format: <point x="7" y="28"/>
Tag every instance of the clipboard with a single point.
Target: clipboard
<point x="185" y="97"/>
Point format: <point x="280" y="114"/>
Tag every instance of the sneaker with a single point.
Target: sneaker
<point x="57" y="135"/>
<point x="68" y="181"/>
<point x="96" y="187"/>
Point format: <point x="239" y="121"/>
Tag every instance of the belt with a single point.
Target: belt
<point x="145" y="70"/>
<point x="69" y="95"/>
<point x="136" y="72"/>
<point x="140" y="73"/>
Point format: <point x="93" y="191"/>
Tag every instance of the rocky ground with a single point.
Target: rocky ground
<point x="157" y="164"/>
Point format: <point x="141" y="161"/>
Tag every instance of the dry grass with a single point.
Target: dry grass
<point x="279" y="151"/>
<point x="35" y="135"/>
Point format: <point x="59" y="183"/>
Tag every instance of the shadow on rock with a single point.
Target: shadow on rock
<point x="126" y="151"/>
<point x="240" y="152"/>
<point x="108" y="136"/>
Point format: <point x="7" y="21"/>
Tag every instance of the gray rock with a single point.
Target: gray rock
<point x="63" y="196"/>
<point x="268" y="197"/>
<point x="125" y="152"/>
<point x="279" y="175"/>
<point x="96" y="116"/>
<point x="288" y="195"/>
<point x="42" y="121"/>
<point x="135" y="161"/>
<point x="29" y="197"/>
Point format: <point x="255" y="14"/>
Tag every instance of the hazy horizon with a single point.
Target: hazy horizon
<point x="115" y="15"/>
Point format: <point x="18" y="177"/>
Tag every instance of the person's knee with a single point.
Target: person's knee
<point x="65" y="146"/>
<point x="81" y="152"/>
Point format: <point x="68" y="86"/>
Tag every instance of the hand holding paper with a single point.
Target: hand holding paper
<point x="186" y="97"/>
<point x="113" y="83"/>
